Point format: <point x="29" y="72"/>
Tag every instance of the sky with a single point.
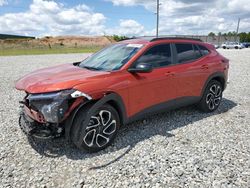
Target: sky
<point x="122" y="17"/>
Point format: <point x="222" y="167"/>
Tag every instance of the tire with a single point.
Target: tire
<point x="236" y="47"/>
<point x="224" y="47"/>
<point x="99" y="132"/>
<point x="212" y="96"/>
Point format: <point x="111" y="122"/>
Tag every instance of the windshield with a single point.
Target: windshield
<point x="111" y="58"/>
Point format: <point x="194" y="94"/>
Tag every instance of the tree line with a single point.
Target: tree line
<point x="244" y="36"/>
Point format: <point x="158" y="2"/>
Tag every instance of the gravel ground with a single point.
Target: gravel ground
<point x="181" y="148"/>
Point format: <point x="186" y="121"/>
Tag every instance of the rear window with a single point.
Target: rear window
<point x="204" y="50"/>
<point x="187" y="52"/>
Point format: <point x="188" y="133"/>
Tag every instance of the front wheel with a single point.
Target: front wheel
<point x="212" y="97"/>
<point x="99" y="132"/>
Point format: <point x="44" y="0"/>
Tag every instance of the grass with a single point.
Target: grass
<point x="39" y="51"/>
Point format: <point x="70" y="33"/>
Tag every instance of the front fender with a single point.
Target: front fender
<point x="93" y="105"/>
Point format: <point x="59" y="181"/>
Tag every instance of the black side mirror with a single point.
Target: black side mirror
<point x="141" y="68"/>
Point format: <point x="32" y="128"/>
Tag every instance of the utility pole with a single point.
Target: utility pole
<point x="157" y="17"/>
<point x="238" y="26"/>
<point x="237" y="30"/>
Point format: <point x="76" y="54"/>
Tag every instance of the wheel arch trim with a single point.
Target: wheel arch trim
<point x="95" y="104"/>
<point x="220" y="75"/>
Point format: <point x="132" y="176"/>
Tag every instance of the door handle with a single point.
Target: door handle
<point x="204" y="66"/>
<point x="169" y="74"/>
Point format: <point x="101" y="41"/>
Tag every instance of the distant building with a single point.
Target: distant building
<point x="4" y="36"/>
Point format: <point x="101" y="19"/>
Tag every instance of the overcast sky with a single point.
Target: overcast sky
<point x="122" y="17"/>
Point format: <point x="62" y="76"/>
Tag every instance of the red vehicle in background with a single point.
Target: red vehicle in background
<point x="88" y="101"/>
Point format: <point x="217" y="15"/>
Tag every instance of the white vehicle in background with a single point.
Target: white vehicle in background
<point x="231" y="45"/>
<point x="216" y="46"/>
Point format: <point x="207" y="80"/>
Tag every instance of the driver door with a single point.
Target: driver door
<point x="149" y="89"/>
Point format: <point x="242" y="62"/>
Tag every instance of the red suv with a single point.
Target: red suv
<point x="88" y="101"/>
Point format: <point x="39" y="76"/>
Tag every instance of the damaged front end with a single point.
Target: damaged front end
<point x="42" y="115"/>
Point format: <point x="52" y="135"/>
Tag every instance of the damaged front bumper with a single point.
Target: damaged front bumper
<point x="38" y="130"/>
<point x="42" y="115"/>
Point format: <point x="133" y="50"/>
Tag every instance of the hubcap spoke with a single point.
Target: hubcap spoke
<point x="110" y="128"/>
<point x="94" y="122"/>
<point x="211" y="104"/>
<point x="105" y="117"/>
<point x="101" y="140"/>
<point x="209" y="98"/>
<point x="217" y="100"/>
<point x="218" y="91"/>
<point x="90" y="137"/>
<point x="213" y="89"/>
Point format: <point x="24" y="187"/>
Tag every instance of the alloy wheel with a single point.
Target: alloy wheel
<point x="100" y="129"/>
<point x="214" y="96"/>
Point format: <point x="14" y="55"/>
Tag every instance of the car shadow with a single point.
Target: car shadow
<point x="131" y="134"/>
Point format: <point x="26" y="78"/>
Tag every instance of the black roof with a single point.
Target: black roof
<point x="151" y="39"/>
<point x="175" y="38"/>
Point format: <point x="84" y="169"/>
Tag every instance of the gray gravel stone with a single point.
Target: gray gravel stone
<point x="181" y="148"/>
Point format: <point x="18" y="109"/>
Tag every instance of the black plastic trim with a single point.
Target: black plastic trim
<point x="175" y="38"/>
<point x="213" y="76"/>
<point x="166" y="106"/>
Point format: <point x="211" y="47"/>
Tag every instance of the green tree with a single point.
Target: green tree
<point x="118" y="38"/>
<point x="211" y="34"/>
<point x="243" y="37"/>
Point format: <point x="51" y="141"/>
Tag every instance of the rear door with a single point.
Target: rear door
<point x="191" y="70"/>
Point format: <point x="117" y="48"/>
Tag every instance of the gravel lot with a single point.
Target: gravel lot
<point x="181" y="148"/>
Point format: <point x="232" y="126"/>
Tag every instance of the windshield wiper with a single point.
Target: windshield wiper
<point x="91" y="68"/>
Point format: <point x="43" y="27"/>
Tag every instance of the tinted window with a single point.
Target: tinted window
<point x="158" y="56"/>
<point x="204" y="50"/>
<point x="186" y="52"/>
<point x="197" y="52"/>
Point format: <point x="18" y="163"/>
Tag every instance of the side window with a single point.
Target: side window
<point x="204" y="50"/>
<point x="197" y="52"/>
<point x="158" y="56"/>
<point x="186" y="52"/>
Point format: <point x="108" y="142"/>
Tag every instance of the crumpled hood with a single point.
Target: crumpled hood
<point x="57" y="78"/>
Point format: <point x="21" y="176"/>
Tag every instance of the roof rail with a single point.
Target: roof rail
<point x="175" y="38"/>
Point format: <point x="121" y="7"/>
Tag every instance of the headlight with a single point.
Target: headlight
<point x="54" y="105"/>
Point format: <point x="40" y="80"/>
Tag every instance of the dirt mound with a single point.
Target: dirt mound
<point x="67" y="41"/>
<point x="77" y="40"/>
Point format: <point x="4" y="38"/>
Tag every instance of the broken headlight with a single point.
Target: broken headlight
<point x="53" y="106"/>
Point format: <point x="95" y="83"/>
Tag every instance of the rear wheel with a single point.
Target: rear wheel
<point x="236" y="47"/>
<point x="212" y="97"/>
<point x="99" y="132"/>
<point x="224" y="47"/>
